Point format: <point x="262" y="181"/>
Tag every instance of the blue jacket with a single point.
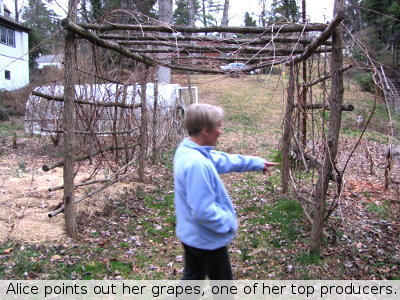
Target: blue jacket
<point x="205" y="214"/>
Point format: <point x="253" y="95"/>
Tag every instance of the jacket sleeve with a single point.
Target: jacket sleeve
<point x="226" y="163"/>
<point x="201" y="198"/>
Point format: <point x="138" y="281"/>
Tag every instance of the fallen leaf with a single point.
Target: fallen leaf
<point x="8" y="251"/>
<point x="33" y="275"/>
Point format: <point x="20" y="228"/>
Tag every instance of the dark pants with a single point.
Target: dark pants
<point x="200" y="263"/>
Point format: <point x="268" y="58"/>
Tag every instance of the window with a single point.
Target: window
<point x="7" y="75"/>
<point x="11" y="39"/>
<point x="3" y="33"/>
<point x="7" y="36"/>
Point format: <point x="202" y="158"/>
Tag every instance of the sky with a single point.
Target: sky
<point x="317" y="10"/>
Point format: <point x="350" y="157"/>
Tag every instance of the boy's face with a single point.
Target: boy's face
<point x="213" y="134"/>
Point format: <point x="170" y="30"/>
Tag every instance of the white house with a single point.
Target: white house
<point x="14" y="52"/>
<point x="50" y="60"/>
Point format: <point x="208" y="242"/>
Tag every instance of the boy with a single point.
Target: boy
<point x="206" y="219"/>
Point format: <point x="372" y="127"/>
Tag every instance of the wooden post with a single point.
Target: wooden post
<point x="287" y="131"/>
<point x="303" y="94"/>
<point x="332" y="140"/>
<point x="143" y="125"/>
<point x="69" y="125"/>
<point x="155" y="123"/>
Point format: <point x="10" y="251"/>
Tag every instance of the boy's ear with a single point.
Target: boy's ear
<point x="205" y="130"/>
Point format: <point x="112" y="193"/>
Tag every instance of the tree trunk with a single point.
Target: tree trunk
<point x="143" y="126"/>
<point x="287" y="132"/>
<point x="166" y="13"/>
<point x="303" y="95"/>
<point x="331" y="143"/>
<point x="204" y="13"/>
<point x="16" y="11"/>
<point x="225" y="17"/>
<point x="155" y="123"/>
<point x="192" y="13"/>
<point x="68" y="123"/>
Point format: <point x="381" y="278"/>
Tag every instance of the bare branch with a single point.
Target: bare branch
<point x="282" y="28"/>
<point x="348" y="107"/>
<point x="61" y="209"/>
<point x="91" y="132"/>
<point x="325" y="77"/>
<point x="100" y="104"/>
<point x="319" y="40"/>
<point x="72" y="27"/>
<point x="256" y="41"/>
<point x="86" y="156"/>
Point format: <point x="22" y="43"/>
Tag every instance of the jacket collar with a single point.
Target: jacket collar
<point x="205" y="150"/>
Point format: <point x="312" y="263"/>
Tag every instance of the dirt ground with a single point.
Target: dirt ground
<point x="25" y="197"/>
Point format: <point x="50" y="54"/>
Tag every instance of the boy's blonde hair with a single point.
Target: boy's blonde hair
<point x="200" y="115"/>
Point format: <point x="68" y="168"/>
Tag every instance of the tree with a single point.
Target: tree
<point x="210" y="12"/>
<point x="44" y="24"/>
<point x="225" y="15"/>
<point x="69" y="125"/>
<point x="353" y="16"/>
<point x="194" y="7"/>
<point x="263" y="15"/>
<point x="97" y="9"/>
<point x="331" y="143"/>
<point x="383" y="16"/>
<point x="284" y="11"/>
<point x="376" y="25"/>
<point x="182" y="13"/>
<point x="186" y="12"/>
<point x="93" y="9"/>
<point x="165" y="15"/>
<point x="248" y="20"/>
<point x="16" y="11"/>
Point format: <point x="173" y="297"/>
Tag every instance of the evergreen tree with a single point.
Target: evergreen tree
<point x="44" y="25"/>
<point x="383" y="16"/>
<point x="248" y="20"/>
<point x="182" y="12"/>
<point x="376" y="24"/>
<point x="284" y="11"/>
<point x="210" y="12"/>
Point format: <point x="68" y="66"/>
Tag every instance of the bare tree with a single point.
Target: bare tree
<point x="192" y="12"/>
<point x="225" y="15"/>
<point x="68" y="123"/>
<point x="331" y="141"/>
<point x="16" y="11"/>
<point x="143" y="125"/>
<point x="166" y="14"/>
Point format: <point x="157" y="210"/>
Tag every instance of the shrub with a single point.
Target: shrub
<point x="366" y="82"/>
<point x="4" y="113"/>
